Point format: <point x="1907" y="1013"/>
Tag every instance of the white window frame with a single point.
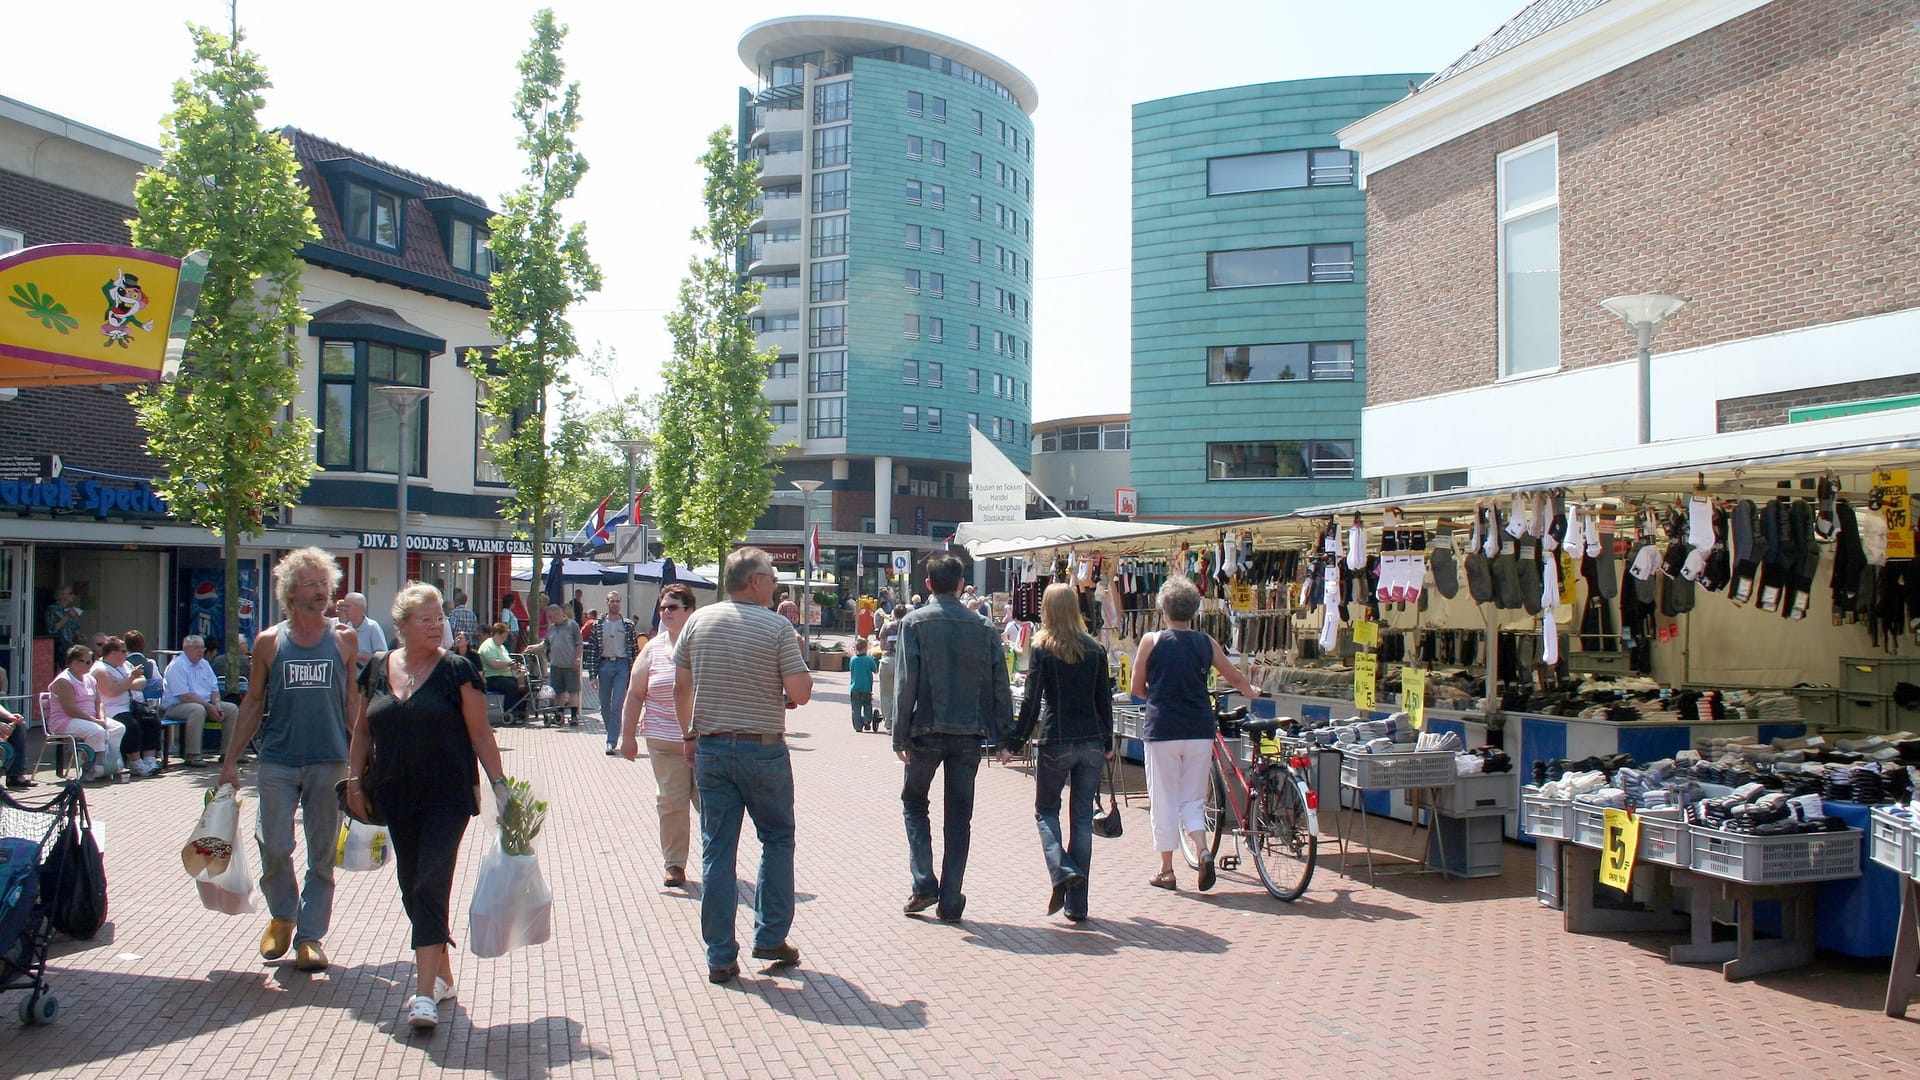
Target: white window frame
<point x="1505" y="216"/>
<point x="12" y="240"/>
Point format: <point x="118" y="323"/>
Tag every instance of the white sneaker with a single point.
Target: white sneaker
<point x="442" y="990"/>
<point x="423" y="1013"/>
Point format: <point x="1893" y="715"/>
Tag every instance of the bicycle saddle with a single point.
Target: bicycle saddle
<point x="1264" y="726"/>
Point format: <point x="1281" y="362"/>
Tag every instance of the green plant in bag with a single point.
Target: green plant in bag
<point x="520" y="822"/>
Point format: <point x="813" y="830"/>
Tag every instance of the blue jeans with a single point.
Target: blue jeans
<point x="961" y="756"/>
<point x="310" y="788"/>
<point x="1078" y="765"/>
<point x="862" y="709"/>
<point x="614" y="674"/>
<point x="736" y="775"/>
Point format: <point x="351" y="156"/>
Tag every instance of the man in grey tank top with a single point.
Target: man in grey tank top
<point x="302" y="684"/>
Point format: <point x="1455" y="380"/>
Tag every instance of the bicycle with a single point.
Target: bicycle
<point x="1276" y="812"/>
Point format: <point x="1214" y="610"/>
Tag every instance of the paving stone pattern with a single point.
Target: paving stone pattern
<point x="1418" y="976"/>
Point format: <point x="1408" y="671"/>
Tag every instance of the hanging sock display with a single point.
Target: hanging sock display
<point x="1531" y="526"/>
<point x="1446" y="569"/>
<point x="1549" y="599"/>
<point x="1748" y="549"/>
<point x="1479" y="565"/>
<point x="1330" y="593"/>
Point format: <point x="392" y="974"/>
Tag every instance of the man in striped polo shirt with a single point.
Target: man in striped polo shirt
<point x="737" y="664"/>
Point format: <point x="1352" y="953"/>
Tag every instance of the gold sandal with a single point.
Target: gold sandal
<point x="1164" y="880"/>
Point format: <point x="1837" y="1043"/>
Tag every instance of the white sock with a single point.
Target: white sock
<point x="1357" y="546"/>
<point x="1517" y="517"/>
<point x="1700" y="522"/>
<point x="1415" y="577"/>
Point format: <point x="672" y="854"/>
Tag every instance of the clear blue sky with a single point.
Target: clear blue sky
<point x="428" y="87"/>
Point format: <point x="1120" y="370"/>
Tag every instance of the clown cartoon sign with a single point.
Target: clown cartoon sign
<point x="95" y="313"/>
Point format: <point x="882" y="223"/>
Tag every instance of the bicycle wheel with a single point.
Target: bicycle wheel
<point x="1284" y="850"/>
<point x="1215" y="814"/>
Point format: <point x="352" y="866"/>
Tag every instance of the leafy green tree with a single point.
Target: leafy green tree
<point x="602" y="468"/>
<point x="232" y="449"/>
<point x="713" y="458"/>
<point x="541" y="268"/>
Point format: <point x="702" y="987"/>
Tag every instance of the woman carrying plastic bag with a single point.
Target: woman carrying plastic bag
<point x="215" y="862"/>
<point x="423" y="720"/>
<point x="512" y="906"/>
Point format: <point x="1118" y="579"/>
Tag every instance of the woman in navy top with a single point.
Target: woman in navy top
<point x="1170" y="672"/>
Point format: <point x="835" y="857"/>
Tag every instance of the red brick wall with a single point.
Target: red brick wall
<point x="1765" y="170"/>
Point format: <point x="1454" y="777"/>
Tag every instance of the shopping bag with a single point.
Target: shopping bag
<point x="512" y="906"/>
<point x="229" y="890"/>
<point x="212" y="842"/>
<point x="73" y="881"/>
<point x="362" y="846"/>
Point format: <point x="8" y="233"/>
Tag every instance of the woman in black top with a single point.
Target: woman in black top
<point x="423" y="715"/>
<point x="1068" y="674"/>
<point x="1170" y="673"/>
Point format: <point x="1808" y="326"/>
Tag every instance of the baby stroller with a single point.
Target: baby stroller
<point x="27" y="833"/>
<point x="541" y="699"/>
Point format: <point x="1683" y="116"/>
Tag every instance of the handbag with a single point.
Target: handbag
<point x="73" y="879"/>
<point x="1107" y="822"/>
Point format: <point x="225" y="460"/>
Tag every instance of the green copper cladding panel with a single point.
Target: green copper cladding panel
<point x="1177" y="318"/>
<point x="879" y="299"/>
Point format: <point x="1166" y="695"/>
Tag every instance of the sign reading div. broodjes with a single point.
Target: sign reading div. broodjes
<point x="999" y="489"/>
<point x="462" y="545"/>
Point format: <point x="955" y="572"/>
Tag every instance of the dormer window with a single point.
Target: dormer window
<point x="469" y="248"/>
<point x="373" y="216"/>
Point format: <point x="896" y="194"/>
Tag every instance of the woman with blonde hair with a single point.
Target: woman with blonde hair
<point x="1067" y="713"/>
<point x="1170" y="672"/>
<point x="423" y="718"/>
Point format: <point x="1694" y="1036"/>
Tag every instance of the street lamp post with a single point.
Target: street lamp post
<point x="633" y="448"/>
<point x="807" y="488"/>
<point x="403" y="400"/>
<point x="1644" y="312"/>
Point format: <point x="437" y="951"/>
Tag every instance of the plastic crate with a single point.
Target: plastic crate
<point x="1890" y="840"/>
<point x="1547" y="819"/>
<point x="1664" y="839"/>
<point x="1589" y="824"/>
<point x="1546" y="874"/>
<point x="1776" y="860"/>
<point x="1393" y="772"/>
<point x="1482" y="793"/>
<point x="1465" y="847"/>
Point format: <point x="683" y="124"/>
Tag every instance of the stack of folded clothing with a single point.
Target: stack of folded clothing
<point x="1753" y="809"/>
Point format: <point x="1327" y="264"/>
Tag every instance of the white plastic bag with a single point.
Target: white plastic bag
<point x="214" y="835"/>
<point x="512" y="906"/>
<point x="230" y="890"/>
<point x="362" y="846"/>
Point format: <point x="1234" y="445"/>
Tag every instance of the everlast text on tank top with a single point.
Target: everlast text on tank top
<point x="306" y="721"/>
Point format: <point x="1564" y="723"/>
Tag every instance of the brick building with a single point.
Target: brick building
<point x="397" y="291"/>
<point x="1754" y="158"/>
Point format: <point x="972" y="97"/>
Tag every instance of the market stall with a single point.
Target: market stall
<point x="1719" y="598"/>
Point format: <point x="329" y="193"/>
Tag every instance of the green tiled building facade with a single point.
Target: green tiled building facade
<point x="896" y="241"/>
<point x="1249" y="297"/>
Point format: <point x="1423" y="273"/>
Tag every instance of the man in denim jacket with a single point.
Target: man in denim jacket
<point x="952" y="696"/>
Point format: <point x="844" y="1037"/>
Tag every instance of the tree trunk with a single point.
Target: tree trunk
<point x="230" y="603"/>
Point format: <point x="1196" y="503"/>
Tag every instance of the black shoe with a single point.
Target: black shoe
<point x="727" y="974"/>
<point x="20" y="783"/>
<point x="1079" y="917"/>
<point x="611" y="752"/>
<point x="919" y="902"/>
<point x="952" y="916"/>
<point x="1059" y="898"/>
<point x="782" y="955"/>
<point x="1206" y="873"/>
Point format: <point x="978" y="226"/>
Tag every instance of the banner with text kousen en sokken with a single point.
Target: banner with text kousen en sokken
<point x="999" y="488"/>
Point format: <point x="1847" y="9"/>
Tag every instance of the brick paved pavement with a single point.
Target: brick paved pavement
<point x="1419" y="976"/>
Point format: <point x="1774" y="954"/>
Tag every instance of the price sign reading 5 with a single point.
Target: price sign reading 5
<point x="1619" y="840"/>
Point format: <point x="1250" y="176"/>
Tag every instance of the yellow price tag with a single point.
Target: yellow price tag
<point x="1619" y="841"/>
<point x="1240" y="596"/>
<point x="1126" y="674"/>
<point x="1896" y="506"/>
<point x="1366" y="677"/>
<point x="1366" y="633"/>
<point x="1413" y="696"/>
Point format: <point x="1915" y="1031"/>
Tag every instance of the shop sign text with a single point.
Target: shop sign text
<point x="462" y="545"/>
<point x="101" y="498"/>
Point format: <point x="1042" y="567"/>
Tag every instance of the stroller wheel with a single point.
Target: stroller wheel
<point x="39" y="1007"/>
